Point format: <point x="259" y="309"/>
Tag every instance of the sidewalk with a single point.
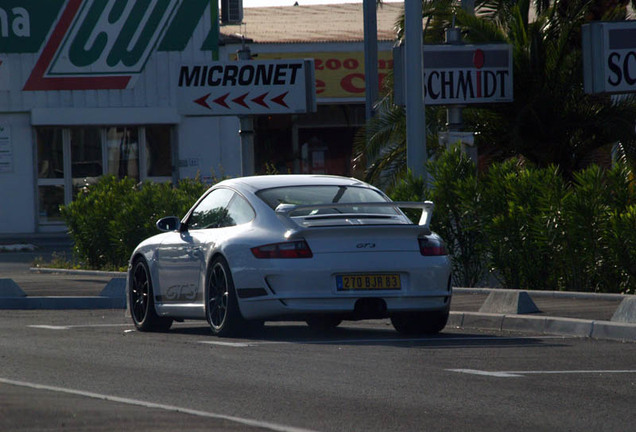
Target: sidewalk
<point x="570" y="314"/>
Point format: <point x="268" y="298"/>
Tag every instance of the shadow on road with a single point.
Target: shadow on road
<point x="298" y="333"/>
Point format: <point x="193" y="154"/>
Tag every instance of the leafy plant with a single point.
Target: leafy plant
<point x="531" y="228"/>
<point x="108" y="219"/>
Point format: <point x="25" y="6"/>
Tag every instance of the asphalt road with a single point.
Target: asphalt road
<point x="90" y="371"/>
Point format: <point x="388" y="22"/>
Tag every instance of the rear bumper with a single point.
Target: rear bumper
<point x="280" y="308"/>
<point x="287" y="287"/>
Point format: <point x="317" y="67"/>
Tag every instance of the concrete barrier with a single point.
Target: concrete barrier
<point x="8" y="288"/>
<point x="626" y="312"/>
<point x="509" y="302"/>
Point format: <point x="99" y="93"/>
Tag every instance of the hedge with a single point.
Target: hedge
<point x="529" y="227"/>
<point x="108" y="219"/>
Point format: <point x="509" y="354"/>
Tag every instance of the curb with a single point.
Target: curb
<point x="605" y="330"/>
<point x="61" y="303"/>
<point x="551" y="294"/>
<point x="113" y="296"/>
<point x="47" y="270"/>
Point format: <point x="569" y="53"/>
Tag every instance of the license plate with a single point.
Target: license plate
<point x="368" y="282"/>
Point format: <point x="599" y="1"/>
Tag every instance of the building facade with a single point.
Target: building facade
<point x="88" y="88"/>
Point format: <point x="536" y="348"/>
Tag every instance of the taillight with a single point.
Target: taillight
<point x="291" y="249"/>
<point x="432" y="247"/>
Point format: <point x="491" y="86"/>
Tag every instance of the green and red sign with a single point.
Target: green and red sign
<point x="95" y="44"/>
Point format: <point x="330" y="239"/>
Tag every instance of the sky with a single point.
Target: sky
<point x="264" y="3"/>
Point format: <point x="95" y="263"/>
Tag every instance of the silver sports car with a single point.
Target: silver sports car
<point x="316" y="248"/>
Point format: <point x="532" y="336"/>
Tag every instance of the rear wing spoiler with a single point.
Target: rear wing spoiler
<point x="284" y="211"/>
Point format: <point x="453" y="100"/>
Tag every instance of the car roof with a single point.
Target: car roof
<point x="256" y="183"/>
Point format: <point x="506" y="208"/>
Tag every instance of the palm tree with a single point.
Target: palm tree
<point x="552" y="120"/>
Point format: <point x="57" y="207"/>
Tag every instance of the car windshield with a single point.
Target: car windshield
<point x="309" y="195"/>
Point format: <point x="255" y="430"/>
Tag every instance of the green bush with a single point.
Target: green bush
<point x="108" y="219"/>
<point x="456" y="218"/>
<point x="517" y="214"/>
<point x="529" y="227"/>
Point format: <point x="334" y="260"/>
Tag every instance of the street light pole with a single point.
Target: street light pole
<point x="370" y="56"/>
<point x="415" y="115"/>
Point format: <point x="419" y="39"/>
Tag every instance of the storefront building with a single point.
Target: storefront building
<point x="87" y="88"/>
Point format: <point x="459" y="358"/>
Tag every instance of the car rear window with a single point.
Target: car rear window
<point x="308" y="195"/>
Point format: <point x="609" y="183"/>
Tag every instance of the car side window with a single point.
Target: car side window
<point x="220" y="208"/>
<point x="212" y="212"/>
<point x="240" y="210"/>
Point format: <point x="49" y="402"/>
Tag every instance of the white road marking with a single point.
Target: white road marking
<point x="256" y="343"/>
<point x="145" y="404"/>
<point x="69" y="327"/>
<point x="517" y="374"/>
<point x="229" y="344"/>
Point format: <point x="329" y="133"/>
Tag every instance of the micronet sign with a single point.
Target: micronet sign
<point x="609" y="57"/>
<point x="246" y="87"/>
<point x="461" y="74"/>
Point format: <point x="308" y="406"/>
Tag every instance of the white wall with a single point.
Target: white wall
<point x="17" y="191"/>
<point x="209" y="146"/>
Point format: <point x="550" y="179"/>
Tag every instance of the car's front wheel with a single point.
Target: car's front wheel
<point x="141" y="300"/>
<point x="420" y="323"/>
<point x="221" y="307"/>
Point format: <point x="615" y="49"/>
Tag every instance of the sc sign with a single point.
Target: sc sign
<point x="609" y="57"/>
<point x="246" y="87"/>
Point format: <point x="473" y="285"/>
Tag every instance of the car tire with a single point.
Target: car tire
<point x="323" y="322"/>
<point x="141" y="300"/>
<point x="420" y="323"/>
<point x="221" y="305"/>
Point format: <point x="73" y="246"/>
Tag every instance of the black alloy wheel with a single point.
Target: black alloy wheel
<point x="142" y="306"/>
<point x="221" y="307"/>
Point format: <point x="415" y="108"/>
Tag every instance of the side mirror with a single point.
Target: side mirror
<point x="168" y="223"/>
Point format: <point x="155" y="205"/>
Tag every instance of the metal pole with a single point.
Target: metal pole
<point x="454" y="114"/>
<point x="246" y="131"/>
<point x="370" y="56"/>
<point x="214" y="21"/>
<point x="415" y="115"/>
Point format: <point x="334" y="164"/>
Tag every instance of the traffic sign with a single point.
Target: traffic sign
<point x="246" y="87"/>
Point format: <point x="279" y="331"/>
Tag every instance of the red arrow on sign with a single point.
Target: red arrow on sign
<point x="261" y="100"/>
<point x="280" y="99"/>
<point x="203" y="101"/>
<point x="221" y="100"/>
<point x="241" y="100"/>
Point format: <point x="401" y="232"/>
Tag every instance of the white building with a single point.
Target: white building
<point x="89" y="88"/>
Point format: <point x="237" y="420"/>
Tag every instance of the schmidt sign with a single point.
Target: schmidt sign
<point x="609" y="57"/>
<point x="462" y="74"/>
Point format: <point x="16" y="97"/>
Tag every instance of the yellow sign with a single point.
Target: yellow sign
<point x="339" y="75"/>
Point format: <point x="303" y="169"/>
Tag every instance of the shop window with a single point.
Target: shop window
<point x="326" y="150"/>
<point x="50" y="198"/>
<point x="123" y="151"/>
<point x="86" y="156"/>
<point x="158" y="151"/>
<point x="50" y="153"/>
<point x="70" y="158"/>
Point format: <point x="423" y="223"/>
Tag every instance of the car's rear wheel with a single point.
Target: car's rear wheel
<point x="420" y="323"/>
<point x="323" y="322"/>
<point x="142" y="305"/>
<point x="221" y="307"/>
